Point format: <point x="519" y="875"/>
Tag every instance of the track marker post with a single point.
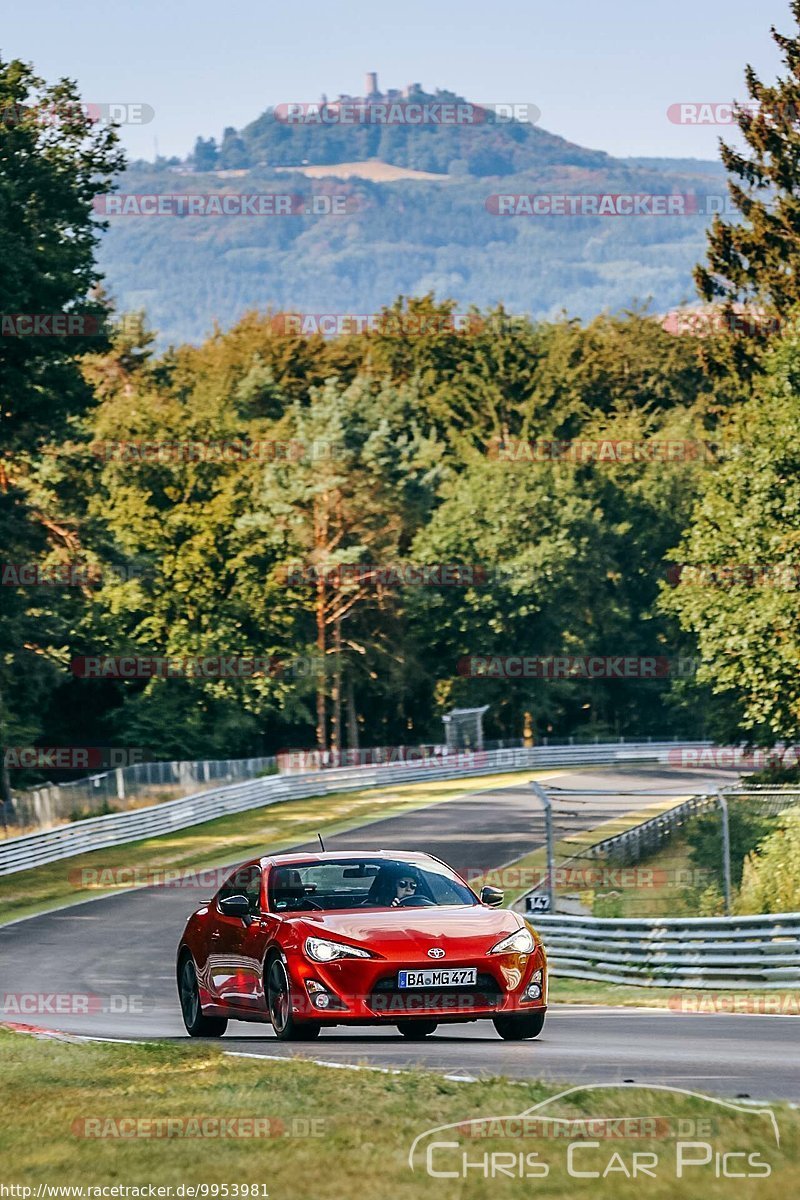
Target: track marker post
<point x="548" y="828"/>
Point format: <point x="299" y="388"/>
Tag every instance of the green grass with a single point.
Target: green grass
<point x="586" y="991"/>
<point x="228" y="840"/>
<point x="335" y="1134"/>
<point x="665" y="884"/>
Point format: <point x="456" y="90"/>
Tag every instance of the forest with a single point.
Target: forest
<point x="276" y="538"/>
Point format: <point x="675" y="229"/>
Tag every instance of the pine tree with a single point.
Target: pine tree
<point x="755" y="259"/>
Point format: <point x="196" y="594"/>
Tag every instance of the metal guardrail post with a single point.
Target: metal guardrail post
<point x="548" y="830"/>
<point x="726" y="849"/>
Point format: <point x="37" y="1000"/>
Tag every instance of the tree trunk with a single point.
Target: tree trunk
<point x="322" y="715"/>
<point x="352" y="718"/>
<point x="337" y="692"/>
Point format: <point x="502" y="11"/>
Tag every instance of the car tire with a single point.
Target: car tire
<point x="415" y="1031"/>
<point x="285" y="1025"/>
<point x="519" y="1028"/>
<point x="197" y="1025"/>
<point x="306" y="1031"/>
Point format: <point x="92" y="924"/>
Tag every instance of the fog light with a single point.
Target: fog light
<point x="321" y="997"/>
<point x="534" y="989"/>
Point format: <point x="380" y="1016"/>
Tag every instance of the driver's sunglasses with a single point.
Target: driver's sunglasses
<point x="410" y="884"/>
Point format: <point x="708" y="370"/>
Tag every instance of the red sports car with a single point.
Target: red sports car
<point x="311" y="940"/>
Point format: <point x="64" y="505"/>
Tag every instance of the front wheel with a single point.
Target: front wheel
<point x="519" y="1028"/>
<point x="415" y="1031"/>
<point x="196" y="1024"/>
<point x="279" y="1002"/>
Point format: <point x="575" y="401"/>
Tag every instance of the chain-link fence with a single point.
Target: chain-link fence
<point x="646" y="856"/>
<point x="126" y="788"/>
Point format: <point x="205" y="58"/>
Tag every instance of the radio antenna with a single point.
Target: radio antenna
<point x="322" y="844"/>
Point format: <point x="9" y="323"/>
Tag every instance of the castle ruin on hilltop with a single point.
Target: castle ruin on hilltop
<point x="372" y="93"/>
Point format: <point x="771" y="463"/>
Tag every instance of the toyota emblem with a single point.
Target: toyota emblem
<point x="436" y="952"/>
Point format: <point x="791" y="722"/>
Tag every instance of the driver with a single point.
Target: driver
<point x="404" y="888"/>
<point x="392" y="886"/>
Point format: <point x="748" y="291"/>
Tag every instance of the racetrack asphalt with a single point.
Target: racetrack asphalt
<point x="120" y="952"/>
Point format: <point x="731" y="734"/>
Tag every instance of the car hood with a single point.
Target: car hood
<point x="423" y="927"/>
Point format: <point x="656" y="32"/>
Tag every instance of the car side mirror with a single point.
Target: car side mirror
<point x="235" y="906"/>
<point x="492" y="896"/>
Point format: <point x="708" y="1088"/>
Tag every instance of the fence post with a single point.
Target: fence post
<point x="726" y="849"/>
<point x="548" y="830"/>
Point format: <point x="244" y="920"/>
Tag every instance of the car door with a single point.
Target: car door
<point x="252" y="946"/>
<point x="229" y="964"/>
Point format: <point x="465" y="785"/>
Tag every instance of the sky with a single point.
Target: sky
<point x="602" y="75"/>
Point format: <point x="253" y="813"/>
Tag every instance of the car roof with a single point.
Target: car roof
<point x="318" y="856"/>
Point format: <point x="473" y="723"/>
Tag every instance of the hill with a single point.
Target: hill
<point x="440" y="132"/>
<point x="400" y="235"/>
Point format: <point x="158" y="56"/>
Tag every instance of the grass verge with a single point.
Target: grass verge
<point x="330" y="1135"/>
<point x="586" y="991"/>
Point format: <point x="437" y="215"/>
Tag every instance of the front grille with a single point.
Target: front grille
<point x="386" y="997"/>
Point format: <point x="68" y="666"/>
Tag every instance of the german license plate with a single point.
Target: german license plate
<point x="443" y="977"/>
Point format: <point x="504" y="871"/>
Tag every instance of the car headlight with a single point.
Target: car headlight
<point x="323" y="951"/>
<point x="520" y="942"/>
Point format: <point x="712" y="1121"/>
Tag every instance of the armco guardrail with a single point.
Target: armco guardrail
<point x="646" y="837"/>
<point x="116" y="829"/>
<point x="760" y="952"/>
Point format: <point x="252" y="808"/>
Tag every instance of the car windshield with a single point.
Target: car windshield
<point x="364" y="883"/>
